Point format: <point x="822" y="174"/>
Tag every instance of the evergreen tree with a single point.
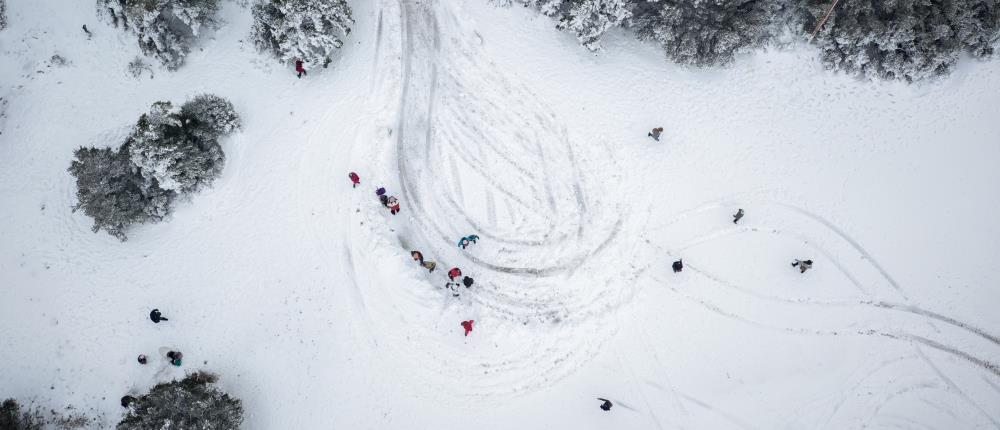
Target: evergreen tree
<point x="210" y="116"/>
<point x="3" y="14"/>
<point x="706" y="32"/>
<point x="306" y="30"/>
<point x="902" y="39"/>
<point x="590" y="19"/>
<point x="191" y="403"/>
<point x="110" y="190"/>
<point x="165" y="28"/>
<point x="13" y="417"/>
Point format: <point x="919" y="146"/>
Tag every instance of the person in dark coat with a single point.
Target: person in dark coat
<point x="127" y="400"/>
<point x="384" y="199"/>
<point x="355" y="180"/>
<point x="467" y="325"/>
<point x="156" y="316"/>
<point x="142" y="359"/>
<point x="738" y="216"/>
<point x="467" y="281"/>
<point x="417" y="256"/>
<point x="655" y="134"/>
<point x="175" y="357"/>
<point x="454" y="273"/>
<point x="300" y="69"/>
<point x="463" y="242"/>
<point x="803" y="265"/>
<point x="606" y="405"/>
<point x="678" y="266"/>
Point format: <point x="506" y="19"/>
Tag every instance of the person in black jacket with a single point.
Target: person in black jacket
<point x="606" y="405"/>
<point x="156" y="316"/>
<point x="678" y="266"/>
<point x="467" y="281"/>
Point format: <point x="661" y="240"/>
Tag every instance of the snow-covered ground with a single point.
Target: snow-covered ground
<point x="300" y="292"/>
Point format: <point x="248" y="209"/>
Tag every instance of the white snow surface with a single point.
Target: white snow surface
<point x="300" y="292"/>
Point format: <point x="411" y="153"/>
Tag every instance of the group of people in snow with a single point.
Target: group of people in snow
<point x="455" y="278"/>
<point x="803" y="265"/>
<point x="174" y="357"/>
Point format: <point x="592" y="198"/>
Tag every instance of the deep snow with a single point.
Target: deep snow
<point x="299" y="290"/>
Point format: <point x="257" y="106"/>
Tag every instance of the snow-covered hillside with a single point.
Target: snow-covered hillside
<point x="299" y="290"/>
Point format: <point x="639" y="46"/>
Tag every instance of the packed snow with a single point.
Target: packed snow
<point x="300" y="292"/>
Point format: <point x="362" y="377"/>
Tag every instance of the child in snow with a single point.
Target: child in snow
<point x="467" y="281"/>
<point x="417" y="256"/>
<point x="142" y="358"/>
<point x="467" y="325"/>
<point x="393" y="205"/>
<point x="454" y="273"/>
<point x="678" y="266"/>
<point x="453" y="286"/>
<point x="738" y="216"/>
<point x="803" y="265"/>
<point x="429" y="265"/>
<point x="298" y="68"/>
<point x="156" y="316"/>
<point x="655" y="134"/>
<point x="355" y="180"/>
<point x="462" y="243"/>
<point x="175" y="357"/>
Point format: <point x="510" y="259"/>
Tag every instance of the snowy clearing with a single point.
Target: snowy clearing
<point x="300" y="291"/>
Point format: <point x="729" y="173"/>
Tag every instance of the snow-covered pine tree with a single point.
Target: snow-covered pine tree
<point x="902" y="39"/>
<point x="191" y="403"/>
<point x="13" y="417"/>
<point x="165" y="28"/>
<point x="588" y="19"/>
<point x="706" y="32"/>
<point x="307" y="30"/>
<point x="179" y="148"/>
<point x="3" y="14"/>
<point x="111" y="191"/>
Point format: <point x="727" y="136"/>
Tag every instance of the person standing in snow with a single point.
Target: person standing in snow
<point x="738" y="216"/>
<point x="655" y="134"/>
<point x="453" y="286"/>
<point x="355" y="180"/>
<point x="300" y="69"/>
<point x="467" y="325"/>
<point x="417" y="256"/>
<point x="463" y="242"/>
<point x="127" y="400"/>
<point x="142" y="358"/>
<point x="393" y="205"/>
<point x="472" y="238"/>
<point x="467" y="281"/>
<point x="175" y="357"/>
<point x="429" y="265"/>
<point x="156" y="316"/>
<point x="803" y="265"/>
<point x="678" y="266"/>
<point x="454" y="273"/>
<point x="606" y="405"/>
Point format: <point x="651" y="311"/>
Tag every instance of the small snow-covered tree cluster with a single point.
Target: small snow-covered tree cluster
<point x="191" y="403"/>
<point x="170" y="152"/>
<point x="706" y="32"/>
<point x="14" y="417"/>
<point x="306" y="30"/>
<point x="902" y="39"/>
<point x="165" y="28"/>
<point x="3" y="14"/>
<point x="589" y="20"/>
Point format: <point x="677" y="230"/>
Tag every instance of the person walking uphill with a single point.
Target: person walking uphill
<point x="467" y="325"/>
<point x="156" y="316"/>
<point x="738" y="216"/>
<point x="678" y="265"/>
<point x="655" y="134"/>
<point x="299" y="69"/>
<point x="606" y="406"/>
<point x="355" y="180"/>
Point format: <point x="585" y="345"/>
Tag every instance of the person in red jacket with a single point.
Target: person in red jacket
<point x="454" y="273"/>
<point x="355" y="180"/>
<point x="393" y="205"/>
<point x="298" y="68"/>
<point x="467" y="325"/>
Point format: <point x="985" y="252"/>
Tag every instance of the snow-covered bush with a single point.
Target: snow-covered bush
<point x="3" y="14"/>
<point x="307" y="30"/>
<point x="588" y="19"/>
<point x="170" y="152"/>
<point x="13" y="417"/>
<point x="902" y="39"/>
<point x="165" y="28"/>
<point x="191" y="403"/>
<point x="179" y="148"/>
<point x="112" y="192"/>
<point x="706" y="32"/>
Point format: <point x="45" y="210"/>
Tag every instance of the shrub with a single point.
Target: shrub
<point x="307" y="30"/>
<point x="191" y="403"/>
